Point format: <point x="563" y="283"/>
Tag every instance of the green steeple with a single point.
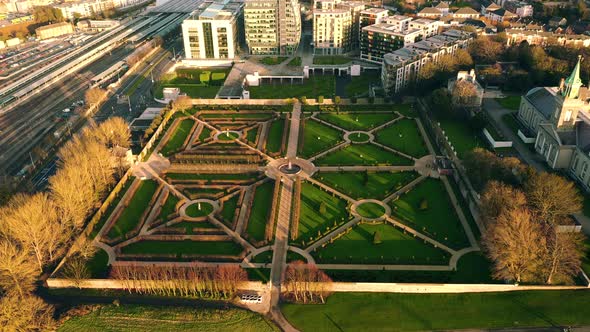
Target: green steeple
<point x="573" y="83"/>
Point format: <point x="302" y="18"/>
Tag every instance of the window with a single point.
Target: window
<point x="568" y="116"/>
<point x="584" y="169"/>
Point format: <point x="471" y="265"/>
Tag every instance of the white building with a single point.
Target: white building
<point x="402" y="66"/>
<point x="427" y="27"/>
<point x="272" y="26"/>
<point x="211" y="31"/>
<point x="335" y="26"/>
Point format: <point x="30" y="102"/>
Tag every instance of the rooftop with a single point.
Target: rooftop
<point x="218" y="10"/>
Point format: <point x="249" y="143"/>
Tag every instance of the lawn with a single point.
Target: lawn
<point x="295" y="62"/>
<point x="196" y="83"/>
<point x="510" y="120"/>
<point x="370" y="210"/>
<point x="251" y="135"/>
<point x="228" y="211"/>
<point x="318" y="137"/>
<point x="359" y="85"/>
<point x="331" y="60"/>
<point x="362" y="154"/>
<point x="273" y="60"/>
<point x="197" y="210"/>
<point x="189" y="226"/>
<point x="98" y="226"/>
<point x="130" y="216"/>
<point x="205" y="133"/>
<point x="311" y="88"/>
<point x="437" y="220"/>
<point x="185" y="247"/>
<point x="395" y="248"/>
<point x="97" y="265"/>
<point x="377" y="185"/>
<point x="275" y="135"/>
<point x="312" y="222"/>
<point x="212" y="177"/>
<point x="403" y="136"/>
<point x="236" y="116"/>
<point x="461" y="136"/>
<point x="260" y="211"/>
<point x="411" y="312"/>
<point x="357" y="121"/>
<point x="168" y="207"/>
<point x="177" y="139"/>
<point x="510" y="102"/>
<point x="134" y="317"/>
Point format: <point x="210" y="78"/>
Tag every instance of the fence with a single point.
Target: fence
<point x="494" y="142"/>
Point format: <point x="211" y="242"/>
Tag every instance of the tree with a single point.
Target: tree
<point x="485" y="50"/>
<point x="182" y="103"/>
<point x="376" y="238"/>
<point x="17" y="268"/>
<point x="464" y="94"/>
<point x="563" y="257"/>
<point x="25" y="313"/>
<point x="44" y="14"/>
<point x="441" y="102"/>
<point x="75" y="270"/>
<point x="322" y="208"/>
<point x="497" y="198"/>
<point x="94" y="96"/>
<point x="114" y="132"/>
<point x="365" y="178"/>
<point x="552" y="197"/>
<point x="423" y="204"/>
<point x="306" y="283"/>
<point x="515" y="244"/>
<point x="33" y="222"/>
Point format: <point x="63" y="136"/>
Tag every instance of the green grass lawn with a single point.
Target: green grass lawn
<point x="205" y="133"/>
<point x="251" y="135"/>
<point x="511" y="122"/>
<point x="318" y="137"/>
<point x="237" y="116"/>
<point x="132" y="213"/>
<point x="439" y="220"/>
<point x="96" y="228"/>
<point x="395" y="248"/>
<point x="295" y="62"/>
<point x="199" y="210"/>
<point x="196" y="83"/>
<point x="378" y="185"/>
<point x="461" y="136"/>
<point x="273" y="60"/>
<point x="370" y="210"/>
<point x="168" y="207"/>
<point x="330" y="60"/>
<point x="97" y="265"/>
<point x="403" y="136"/>
<point x="134" y="317"/>
<point x="362" y="154"/>
<point x="190" y="225"/>
<point x="357" y="121"/>
<point x="212" y="177"/>
<point x="510" y="102"/>
<point x="311" y="220"/>
<point x="275" y="135"/>
<point x="177" y="139"/>
<point x="411" y="312"/>
<point x="185" y="247"/>
<point x="359" y="85"/>
<point x="260" y="211"/>
<point x="228" y="210"/>
<point x="311" y="88"/>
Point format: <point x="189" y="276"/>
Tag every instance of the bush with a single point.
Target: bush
<point x="371" y="100"/>
<point x="337" y="100"/>
<point x="353" y="100"/>
<point x="423" y="204"/>
<point x="320" y="99"/>
<point x="303" y="100"/>
<point x="376" y="238"/>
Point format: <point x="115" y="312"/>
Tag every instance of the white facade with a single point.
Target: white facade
<point x="272" y="26"/>
<point x="331" y="31"/>
<point x="211" y="32"/>
<point x="427" y="27"/>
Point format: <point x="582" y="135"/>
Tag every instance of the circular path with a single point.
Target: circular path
<point x="198" y="209"/>
<point x="370" y="209"/>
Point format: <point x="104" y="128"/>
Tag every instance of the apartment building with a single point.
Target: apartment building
<point x="402" y="66"/>
<point x="427" y="27"/>
<point x="272" y="26"/>
<point x="211" y="31"/>
<point x="88" y="8"/>
<point x="54" y="30"/>
<point x="335" y="26"/>
<point x="382" y="38"/>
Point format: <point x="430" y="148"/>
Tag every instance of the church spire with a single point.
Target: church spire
<point x="573" y="83"/>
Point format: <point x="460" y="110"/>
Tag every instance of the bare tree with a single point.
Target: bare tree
<point x="17" y="268"/>
<point x="182" y="103"/>
<point x="498" y="198"/>
<point x="552" y="197"/>
<point x="306" y="283"/>
<point x="33" y="222"/>
<point x="114" y="132"/>
<point x="25" y="313"/>
<point x="563" y="257"/>
<point x="75" y="270"/>
<point x="464" y="93"/>
<point x="93" y="96"/>
<point x="515" y="244"/>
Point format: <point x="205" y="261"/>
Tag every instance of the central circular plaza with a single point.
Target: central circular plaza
<point x="199" y="209"/>
<point x="290" y="168"/>
<point x="370" y="210"/>
<point x="228" y="135"/>
<point x="358" y="137"/>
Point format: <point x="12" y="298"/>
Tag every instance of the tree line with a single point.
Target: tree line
<point x="522" y="210"/>
<point x="37" y="229"/>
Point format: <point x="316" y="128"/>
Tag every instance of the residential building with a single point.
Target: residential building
<point x="556" y="22"/>
<point x="335" y="26"/>
<point x="471" y="102"/>
<point x="211" y="31"/>
<point x="559" y="119"/>
<point x="427" y="27"/>
<point x="443" y="7"/>
<point x="466" y="13"/>
<point x="372" y="16"/>
<point x="535" y="37"/>
<point x="400" y="22"/>
<point x="430" y="12"/>
<point x="54" y="30"/>
<point x="88" y="8"/>
<point x="272" y="26"/>
<point x="382" y="38"/>
<point x="402" y="66"/>
<point x="500" y="15"/>
<point x="520" y="8"/>
<point x="493" y="6"/>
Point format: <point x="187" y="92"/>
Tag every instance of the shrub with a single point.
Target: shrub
<point x="353" y="100"/>
<point x="303" y="100"/>
<point x="322" y="208"/>
<point x="376" y="238"/>
<point x="423" y="204"/>
<point x="337" y="100"/>
<point x="371" y="100"/>
<point x="320" y="99"/>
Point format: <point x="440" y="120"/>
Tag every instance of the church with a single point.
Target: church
<point x="559" y="118"/>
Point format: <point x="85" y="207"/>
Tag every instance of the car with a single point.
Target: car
<point x="66" y="110"/>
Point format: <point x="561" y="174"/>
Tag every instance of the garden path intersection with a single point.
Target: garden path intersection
<point x="199" y="199"/>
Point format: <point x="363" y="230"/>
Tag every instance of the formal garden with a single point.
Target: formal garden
<point x="369" y="195"/>
<point x="194" y="82"/>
